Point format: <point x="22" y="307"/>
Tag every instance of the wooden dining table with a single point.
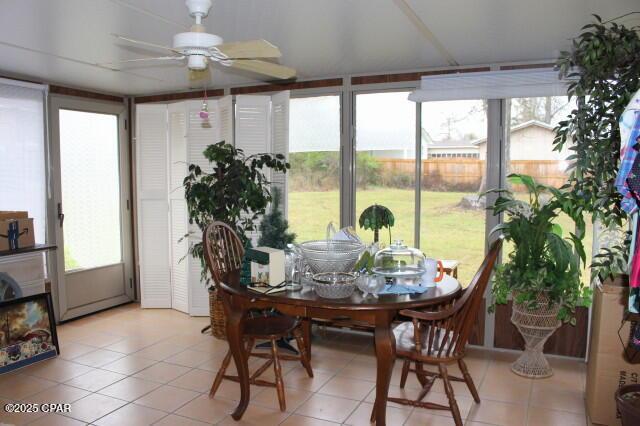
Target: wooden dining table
<point x="377" y="313"/>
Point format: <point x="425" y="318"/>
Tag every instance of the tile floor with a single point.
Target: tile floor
<point x="129" y="366"/>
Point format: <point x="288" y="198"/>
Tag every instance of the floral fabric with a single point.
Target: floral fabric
<point x="628" y="184"/>
<point x="630" y="138"/>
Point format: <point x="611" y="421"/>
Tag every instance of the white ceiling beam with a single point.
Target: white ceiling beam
<point x="425" y="31"/>
<point x="76" y="61"/>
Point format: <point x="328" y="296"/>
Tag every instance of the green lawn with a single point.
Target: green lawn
<point x="447" y="231"/>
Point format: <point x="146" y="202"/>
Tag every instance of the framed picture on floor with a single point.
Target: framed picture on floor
<point x="27" y="331"/>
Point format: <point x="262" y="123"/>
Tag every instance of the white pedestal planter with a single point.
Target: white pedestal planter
<point x="535" y="327"/>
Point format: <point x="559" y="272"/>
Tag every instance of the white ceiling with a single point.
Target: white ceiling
<point x="60" y="40"/>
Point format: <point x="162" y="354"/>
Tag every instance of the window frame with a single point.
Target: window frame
<point x="331" y="91"/>
<point x="498" y="133"/>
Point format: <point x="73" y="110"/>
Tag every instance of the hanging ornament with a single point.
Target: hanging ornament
<point x="204" y="111"/>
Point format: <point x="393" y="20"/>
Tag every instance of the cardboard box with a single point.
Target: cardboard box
<point x="16" y="230"/>
<point x="607" y="367"/>
<point x="4" y="215"/>
<point x="267" y="265"/>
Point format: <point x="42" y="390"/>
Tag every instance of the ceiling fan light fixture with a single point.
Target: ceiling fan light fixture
<point x="197" y="62"/>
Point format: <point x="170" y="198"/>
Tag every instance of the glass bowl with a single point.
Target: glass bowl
<point x="399" y="261"/>
<point x="334" y="285"/>
<point x="370" y="284"/>
<point x="331" y="255"/>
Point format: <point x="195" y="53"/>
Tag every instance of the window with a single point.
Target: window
<point x="385" y="160"/>
<point x="314" y="154"/>
<point x="530" y="151"/>
<point x="22" y="159"/>
<point x="452" y="217"/>
<point x="90" y="172"/>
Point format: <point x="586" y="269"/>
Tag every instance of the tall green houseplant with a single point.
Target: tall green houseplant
<point x="236" y="191"/>
<point x="604" y="64"/>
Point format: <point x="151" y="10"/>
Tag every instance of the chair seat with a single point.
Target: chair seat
<point x="406" y="347"/>
<point x="270" y="327"/>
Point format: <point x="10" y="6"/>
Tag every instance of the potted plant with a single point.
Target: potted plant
<point x="604" y="67"/>
<point x="542" y="272"/>
<point x="375" y="218"/>
<point x="274" y="228"/>
<point x="236" y="192"/>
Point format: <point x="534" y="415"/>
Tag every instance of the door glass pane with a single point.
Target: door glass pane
<point x="452" y="219"/>
<point x="385" y="161"/>
<point x="530" y="152"/>
<point x="314" y="177"/>
<point x="90" y="189"/>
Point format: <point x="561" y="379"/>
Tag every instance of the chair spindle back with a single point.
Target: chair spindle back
<point x="448" y="328"/>
<point x="223" y="252"/>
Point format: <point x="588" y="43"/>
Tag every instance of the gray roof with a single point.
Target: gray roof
<point x="464" y="143"/>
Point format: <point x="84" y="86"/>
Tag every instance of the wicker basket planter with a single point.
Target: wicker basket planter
<point x="217" y="315"/>
<point x="535" y="326"/>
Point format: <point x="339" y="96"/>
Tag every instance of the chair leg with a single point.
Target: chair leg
<point x="278" y="371"/>
<point x="453" y="405"/>
<point x="405" y="372"/>
<point x="304" y="356"/>
<point x="250" y="342"/>
<point x="468" y="380"/>
<point x="419" y="374"/>
<point x="220" y="374"/>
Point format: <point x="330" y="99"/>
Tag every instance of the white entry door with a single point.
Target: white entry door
<point x="90" y="160"/>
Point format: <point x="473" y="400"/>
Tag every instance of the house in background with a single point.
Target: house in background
<point x="463" y="148"/>
<point x="532" y="140"/>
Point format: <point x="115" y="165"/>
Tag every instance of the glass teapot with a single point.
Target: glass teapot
<point x="399" y="261"/>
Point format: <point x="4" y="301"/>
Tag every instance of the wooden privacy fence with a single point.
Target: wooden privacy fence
<point x="465" y="174"/>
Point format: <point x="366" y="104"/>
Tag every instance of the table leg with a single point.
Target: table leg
<point x="385" y="354"/>
<point x="235" y="326"/>
<point x="306" y="334"/>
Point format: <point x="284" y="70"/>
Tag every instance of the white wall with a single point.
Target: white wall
<point x="530" y="143"/>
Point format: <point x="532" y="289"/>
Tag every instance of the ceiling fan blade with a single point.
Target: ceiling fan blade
<point x="249" y="49"/>
<point x="145" y="43"/>
<point x="159" y="58"/>
<point x="263" y="67"/>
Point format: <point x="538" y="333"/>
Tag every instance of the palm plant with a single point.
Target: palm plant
<point x="544" y="260"/>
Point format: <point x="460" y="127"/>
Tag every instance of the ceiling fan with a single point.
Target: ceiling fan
<point x="199" y="48"/>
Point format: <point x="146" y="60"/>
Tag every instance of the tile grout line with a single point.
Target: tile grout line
<point x="182" y="334"/>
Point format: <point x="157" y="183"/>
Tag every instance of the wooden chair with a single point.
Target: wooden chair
<point x="223" y="254"/>
<point x="439" y="337"/>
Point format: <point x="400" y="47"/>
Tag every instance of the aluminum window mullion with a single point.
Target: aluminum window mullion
<point x="418" y="176"/>
<point x="347" y="157"/>
<point x="497" y="133"/>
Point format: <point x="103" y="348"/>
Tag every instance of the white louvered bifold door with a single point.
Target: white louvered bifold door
<point x="253" y="128"/>
<point x="178" y="207"/>
<point x="225" y="116"/>
<point x="153" y="218"/>
<point x="280" y="140"/>
<point x="200" y="134"/>
<point x="253" y="124"/>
